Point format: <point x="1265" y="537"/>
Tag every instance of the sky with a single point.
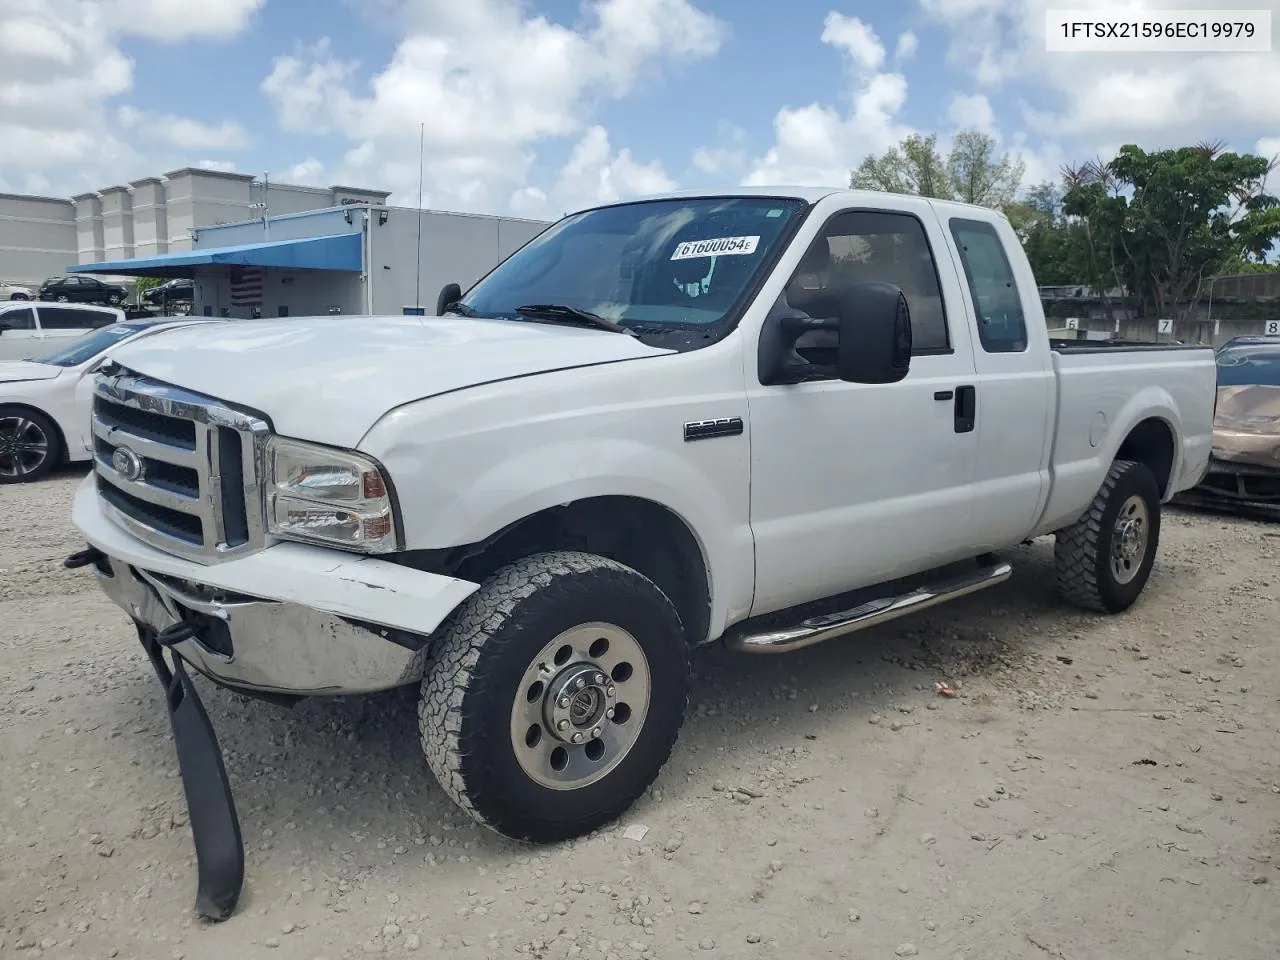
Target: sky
<point x="537" y="107"/>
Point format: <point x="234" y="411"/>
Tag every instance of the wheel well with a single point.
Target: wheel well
<point x="1151" y="444"/>
<point x="62" y="440"/>
<point x="642" y="534"/>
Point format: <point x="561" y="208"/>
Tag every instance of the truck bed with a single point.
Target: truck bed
<point x="1104" y="389"/>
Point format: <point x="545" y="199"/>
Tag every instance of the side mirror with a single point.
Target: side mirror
<point x="867" y="341"/>
<point x="450" y="294"/>
<point x="875" y="334"/>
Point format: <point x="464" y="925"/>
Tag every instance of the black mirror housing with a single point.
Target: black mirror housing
<point x="450" y="294"/>
<point x="875" y="334"/>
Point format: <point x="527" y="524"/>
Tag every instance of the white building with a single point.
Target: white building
<point x="42" y="236"/>
<point x="353" y="257"/>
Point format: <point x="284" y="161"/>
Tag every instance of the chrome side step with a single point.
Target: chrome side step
<point x="869" y="614"/>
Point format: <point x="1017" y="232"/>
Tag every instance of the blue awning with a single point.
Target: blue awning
<point x="338" y="252"/>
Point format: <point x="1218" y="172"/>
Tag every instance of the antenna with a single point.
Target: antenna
<point x="417" y="295"/>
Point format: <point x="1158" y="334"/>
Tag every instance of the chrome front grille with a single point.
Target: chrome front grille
<point x="178" y="469"/>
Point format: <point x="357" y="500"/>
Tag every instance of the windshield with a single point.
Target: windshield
<point x="1237" y="368"/>
<point x="655" y="265"/>
<point x="82" y="348"/>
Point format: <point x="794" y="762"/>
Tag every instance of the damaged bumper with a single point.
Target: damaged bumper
<point x="1245" y="485"/>
<point x="291" y="619"/>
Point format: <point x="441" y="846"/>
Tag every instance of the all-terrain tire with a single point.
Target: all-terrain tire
<point x="478" y="667"/>
<point x="1083" y="551"/>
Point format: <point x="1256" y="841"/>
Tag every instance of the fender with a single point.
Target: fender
<point x="468" y="464"/>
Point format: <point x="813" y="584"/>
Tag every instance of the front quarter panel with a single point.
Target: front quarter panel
<point x="469" y="463"/>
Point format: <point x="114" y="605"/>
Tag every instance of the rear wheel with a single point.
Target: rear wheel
<point x="115" y="299"/>
<point x="61" y="298"/>
<point x="555" y="695"/>
<point x="1104" y="559"/>
<point x="29" y="445"/>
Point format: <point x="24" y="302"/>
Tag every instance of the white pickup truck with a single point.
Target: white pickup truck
<point x="767" y="417"/>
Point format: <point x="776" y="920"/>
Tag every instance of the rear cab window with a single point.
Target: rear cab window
<point x="997" y="304"/>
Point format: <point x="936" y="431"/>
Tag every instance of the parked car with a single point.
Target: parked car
<point x="45" y="402"/>
<point x="13" y="291"/>
<point x="28" y="329"/>
<point x="761" y="417"/>
<point x="1244" y="468"/>
<point x="81" y="289"/>
<point x="180" y="290"/>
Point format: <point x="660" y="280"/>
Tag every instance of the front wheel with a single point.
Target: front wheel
<point x="29" y="445"/>
<point x="555" y="695"/>
<point x="1103" y="560"/>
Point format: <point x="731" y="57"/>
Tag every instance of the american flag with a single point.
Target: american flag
<point x="246" y="286"/>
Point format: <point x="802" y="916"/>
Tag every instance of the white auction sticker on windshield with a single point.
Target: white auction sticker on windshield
<point x="718" y="247"/>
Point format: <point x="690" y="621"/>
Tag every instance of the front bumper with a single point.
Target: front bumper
<point x="291" y="619"/>
<point x="1227" y="483"/>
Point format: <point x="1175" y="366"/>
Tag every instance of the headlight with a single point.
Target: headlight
<point x="321" y="495"/>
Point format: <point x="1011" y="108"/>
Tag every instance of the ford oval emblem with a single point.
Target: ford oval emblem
<point x="127" y="463"/>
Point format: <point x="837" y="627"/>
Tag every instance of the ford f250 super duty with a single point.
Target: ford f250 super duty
<point x="764" y="417"/>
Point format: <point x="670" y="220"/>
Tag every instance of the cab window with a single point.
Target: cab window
<point x="1002" y="328"/>
<point x="860" y="246"/>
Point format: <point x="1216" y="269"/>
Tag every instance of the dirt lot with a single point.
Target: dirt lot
<point x="1102" y="788"/>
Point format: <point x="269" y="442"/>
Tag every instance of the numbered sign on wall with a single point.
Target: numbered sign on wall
<point x="1273" y="328"/>
<point x="1166" y="326"/>
<point x="1073" y="323"/>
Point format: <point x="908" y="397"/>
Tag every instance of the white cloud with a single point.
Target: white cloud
<point x="972" y="112"/>
<point x="594" y="174"/>
<point x="60" y="66"/>
<point x="1268" y="147"/>
<point x="224" y="166"/>
<point x="173" y="20"/>
<point x="817" y="144"/>
<point x="1160" y="99"/>
<point x="908" y="44"/>
<point x="727" y="158"/>
<point x="489" y="81"/>
<point x="308" y="173"/>
<point x="183" y="132"/>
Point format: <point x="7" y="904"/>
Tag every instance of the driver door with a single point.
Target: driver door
<point x="855" y="484"/>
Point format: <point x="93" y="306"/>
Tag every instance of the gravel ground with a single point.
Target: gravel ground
<point x="1101" y="788"/>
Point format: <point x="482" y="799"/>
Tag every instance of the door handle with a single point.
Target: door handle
<point x="966" y="416"/>
<point x="943" y="394"/>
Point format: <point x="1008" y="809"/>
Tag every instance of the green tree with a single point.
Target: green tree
<point x="1162" y="223"/>
<point x="972" y="171"/>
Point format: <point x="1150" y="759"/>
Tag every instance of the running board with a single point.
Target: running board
<point x="869" y="614"/>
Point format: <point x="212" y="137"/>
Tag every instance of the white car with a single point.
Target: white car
<point x="14" y="291"/>
<point x="45" y="402"/>
<point x="31" y="329"/>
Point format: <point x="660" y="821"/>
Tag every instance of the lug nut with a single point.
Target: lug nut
<point x="579" y="684"/>
<point x="610" y="692"/>
<point x="599" y="678"/>
<point x="562" y="725"/>
<point x="564" y="702"/>
<point x="577" y="738"/>
<point x="609" y="713"/>
<point x="595" y="732"/>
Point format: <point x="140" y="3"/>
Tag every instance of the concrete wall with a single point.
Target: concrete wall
<point x="302" y="293"/>
<point x="37" y="237"/>
<point x="89" y="231"/>
<point x="456" y="247"/>
<point x="150" y="217"/>
<point x="117" y="223"/>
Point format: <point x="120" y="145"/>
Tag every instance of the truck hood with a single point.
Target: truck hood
<point x="23" y="370"/>
<point x="329" y="379"/>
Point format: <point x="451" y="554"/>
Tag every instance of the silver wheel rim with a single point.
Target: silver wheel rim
<point x="1129" y="539"/>
<point x="580" y="706"/>
<point x="24" y="446"/>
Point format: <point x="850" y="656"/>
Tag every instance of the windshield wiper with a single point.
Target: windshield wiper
<point x="461" y="308"/>
<point x="562" y="311"/>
